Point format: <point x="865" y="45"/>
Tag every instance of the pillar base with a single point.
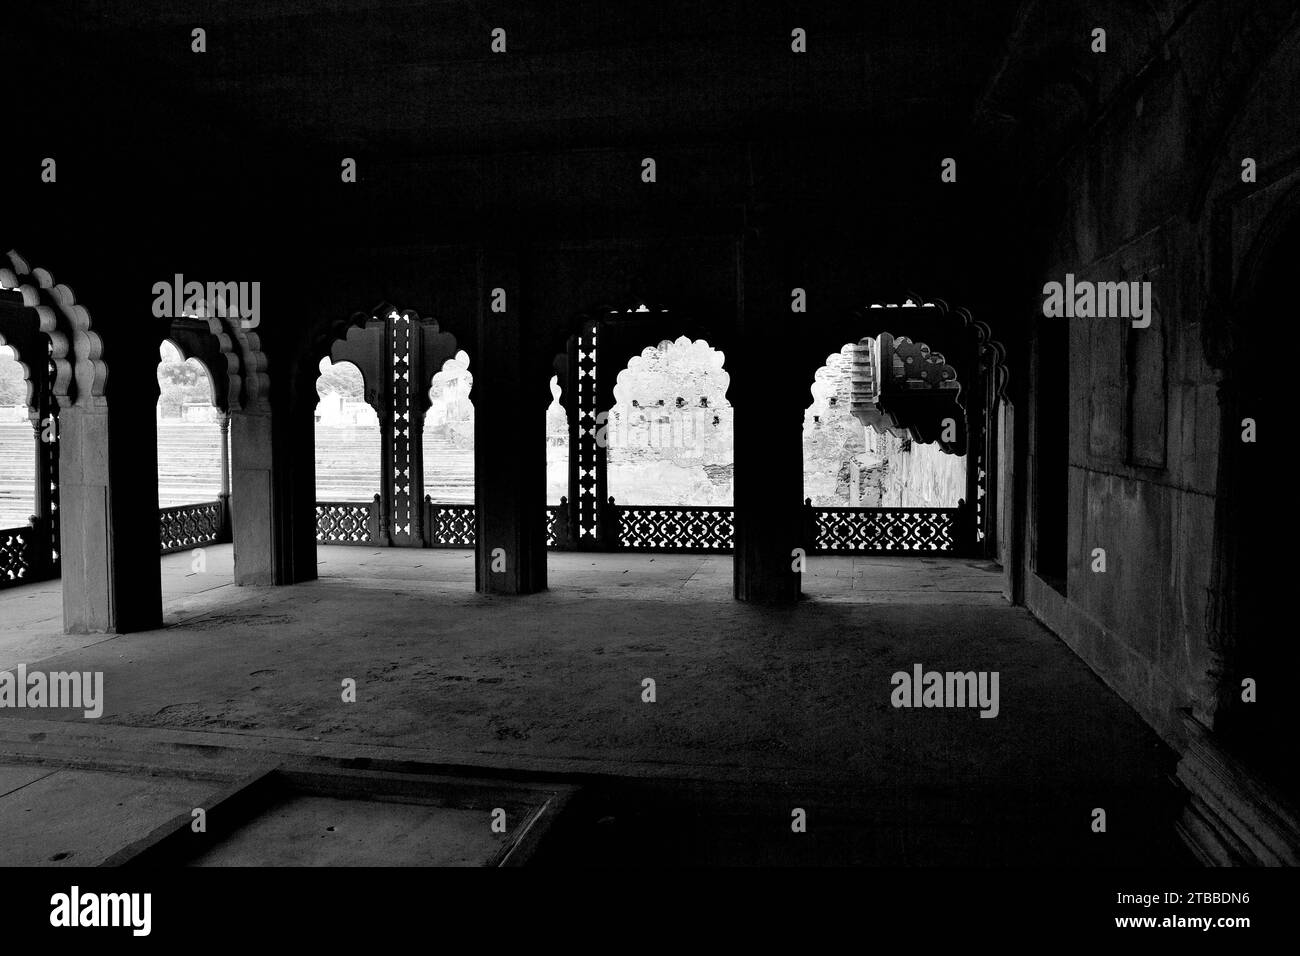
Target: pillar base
<point x="1230" y="819"/>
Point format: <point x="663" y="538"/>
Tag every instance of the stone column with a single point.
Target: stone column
<point x="768" y="434"/>
<point x="1017" y="525"/>
<point x="273" y="490"/>
<point x="976" y="459"/>
<point x="251" y="508"/>
<point x="108" y="503"/>
<point x="223" y="496"/>
<point x="768" y="516"/>
<point x="589" y="373"/>
<point x="509" y="438"/>
<point x="295" y="465"/>
<point x="43" y="519"/>
<point x="400" y="442"/>
<point x="990" y="446"/>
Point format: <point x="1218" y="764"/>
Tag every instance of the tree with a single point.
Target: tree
<point x="13" y="384"/>
<point x="341" y="379"/>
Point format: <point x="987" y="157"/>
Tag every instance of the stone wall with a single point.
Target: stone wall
<point x="1141" y="201"/>
<point x="670" y="431"/>
<point x="915" y="474"/>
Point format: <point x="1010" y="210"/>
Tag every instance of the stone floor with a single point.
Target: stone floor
<point x="756" y="709"/>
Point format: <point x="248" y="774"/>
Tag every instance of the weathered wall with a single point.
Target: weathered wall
<point x="1144" y="417"/>
<point x="670" y="431"/>
<point x="916" y="475"/>
<point x="849" y="465"/>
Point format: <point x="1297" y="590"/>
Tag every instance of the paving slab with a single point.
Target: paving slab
<point x="80" y="818"/>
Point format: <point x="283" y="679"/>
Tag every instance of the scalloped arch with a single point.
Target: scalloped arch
<point x="323" y="337"/>
<point x="213" y="397"/>
<point x="30" y="397"/>
<point x="256" y="380"/>
<point x="635" y="306"/>
<point x="18" y="276"/>
<point x="636" y="362"/>
<point x="228" y="347"/>
<point x="89" y="370"/>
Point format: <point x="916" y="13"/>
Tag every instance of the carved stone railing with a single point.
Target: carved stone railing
<point x="348" y="522"/>
<point x="15" y="556"/>
<point x="684" y="529"/>
<point x="190" y="526"/>
<point x="884" y="530"/>
<point x="681" y="529"/>
<point x="449" y="526"/>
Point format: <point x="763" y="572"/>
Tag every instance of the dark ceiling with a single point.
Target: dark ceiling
<point x="419" y="78"/>
<point x="248" y="136"/>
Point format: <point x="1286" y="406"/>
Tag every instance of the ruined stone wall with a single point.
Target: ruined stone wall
<point x="834" y="442"/>
<point x="849" y="465"/>
<point x="916" y="474"/>
<point x="670" y="431"/>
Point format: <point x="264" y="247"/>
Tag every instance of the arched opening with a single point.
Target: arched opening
<point x="348" y="450"/>
<point x="17" y="459"/>
<point x="670" y="429"/>
<point x="640" y="451"/>
<point x="392" y="389"/>
<point x="557" y="449"/>
<point x="347" y="438"/>
<point x="28" y="512"/>
<point x="193" y="488"/>
<point x="113" y="584"/>
<point x="856" y="458"/>
<point x="886" y="441"/>
<point x="33" y="357"/>
<point x="449" y="434"/>
<point x="448" y="518"/>
<point x="189" y="433"/>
